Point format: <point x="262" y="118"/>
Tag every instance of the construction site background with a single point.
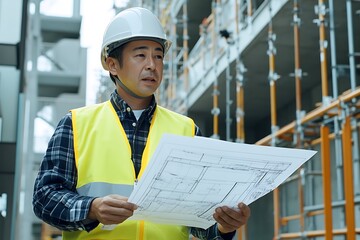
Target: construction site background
<point x="269" y="72"/>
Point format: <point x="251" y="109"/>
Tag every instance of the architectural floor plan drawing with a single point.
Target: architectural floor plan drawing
<point x="188" y="178"/>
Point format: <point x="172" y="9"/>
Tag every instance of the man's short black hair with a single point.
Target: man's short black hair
<point x="117" y="53"/>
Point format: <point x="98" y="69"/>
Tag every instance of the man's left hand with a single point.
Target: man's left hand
<point x="230" y="219"/>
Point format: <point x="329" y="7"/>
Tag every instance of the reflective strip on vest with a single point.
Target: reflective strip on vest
<point x="100" y="189"/>
<point x="104" y="165"/>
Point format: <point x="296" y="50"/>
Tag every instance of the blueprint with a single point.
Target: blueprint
<point x="188" y="177"/>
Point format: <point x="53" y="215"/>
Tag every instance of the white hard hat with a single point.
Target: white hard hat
<point x="131" y="24"/>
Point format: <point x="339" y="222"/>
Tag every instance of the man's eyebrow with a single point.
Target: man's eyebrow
<point x="146" y="47"/>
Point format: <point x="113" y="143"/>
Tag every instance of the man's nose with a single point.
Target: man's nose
<point x="150" y="63"/>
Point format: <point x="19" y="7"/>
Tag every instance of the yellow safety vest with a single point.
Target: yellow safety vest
<point x="104" y="165"/>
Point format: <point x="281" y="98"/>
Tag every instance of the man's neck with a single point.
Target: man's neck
<point x="133" y="102"/>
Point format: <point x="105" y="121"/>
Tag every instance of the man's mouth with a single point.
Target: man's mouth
<point x="149" y="79"/>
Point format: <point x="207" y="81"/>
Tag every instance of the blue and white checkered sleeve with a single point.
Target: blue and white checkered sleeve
<point x="55" y="199"/>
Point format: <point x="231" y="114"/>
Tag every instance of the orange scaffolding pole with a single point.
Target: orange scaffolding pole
<point x="249" y="8"/>
<point x="240" y="133"/>
<point x="276" y="196"/>
<point x="273" y="97"/>
<point x="240" y="233"/>
<point x="272" y="78"/>
<point x="348" y="179"/>
<point x="215" y="111"/>
<point x="186" y="47"/>
<point x="323" y="45"/>
<point x="298" y="74"/>
<point x="173" y="73"/>
<point x="326" y="177"/>
<point x="301" y="201"/>
<point x="297" y="70"/>
<point x="240" y="119"/>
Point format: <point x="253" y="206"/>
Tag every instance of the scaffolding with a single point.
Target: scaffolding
<point x="331" y="128"/>
<point x="328" y="114"/>
<point x="175" y="19"/>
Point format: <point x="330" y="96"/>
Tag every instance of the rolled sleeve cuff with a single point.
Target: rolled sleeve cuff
<point x="89" y="224"/>
<point x="225" y="236"/>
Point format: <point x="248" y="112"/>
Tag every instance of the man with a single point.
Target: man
<point x="99" y="151"/>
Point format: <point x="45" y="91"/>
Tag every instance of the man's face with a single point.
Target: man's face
<point x="142" y="67"/>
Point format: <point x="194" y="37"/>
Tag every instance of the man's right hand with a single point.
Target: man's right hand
<point x="111" y="209"/>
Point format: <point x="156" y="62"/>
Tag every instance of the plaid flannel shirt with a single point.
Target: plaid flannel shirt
<point x="55" y="199"/>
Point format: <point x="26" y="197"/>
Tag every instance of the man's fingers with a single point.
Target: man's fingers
<point x="232" y="213"/>
<point x="245" y="209"/>
<point x="119" y="202"/>
<point x="225" y="220"/>
<point x="112" y="209"/>
<point x="230" y="219"/>
<point x="119" y="210"/>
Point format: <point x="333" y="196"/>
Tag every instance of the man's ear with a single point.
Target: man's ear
<point x="112" y="65"/>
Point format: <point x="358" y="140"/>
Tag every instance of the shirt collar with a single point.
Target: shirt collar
<point x="120" y="105"/>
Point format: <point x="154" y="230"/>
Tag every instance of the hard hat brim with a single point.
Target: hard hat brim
<point x="166" y="44"/>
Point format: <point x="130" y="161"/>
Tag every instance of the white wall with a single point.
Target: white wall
<point x="10" y="21"/>
<point x="9" y="92"/>
<point x="10" y="32"/>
